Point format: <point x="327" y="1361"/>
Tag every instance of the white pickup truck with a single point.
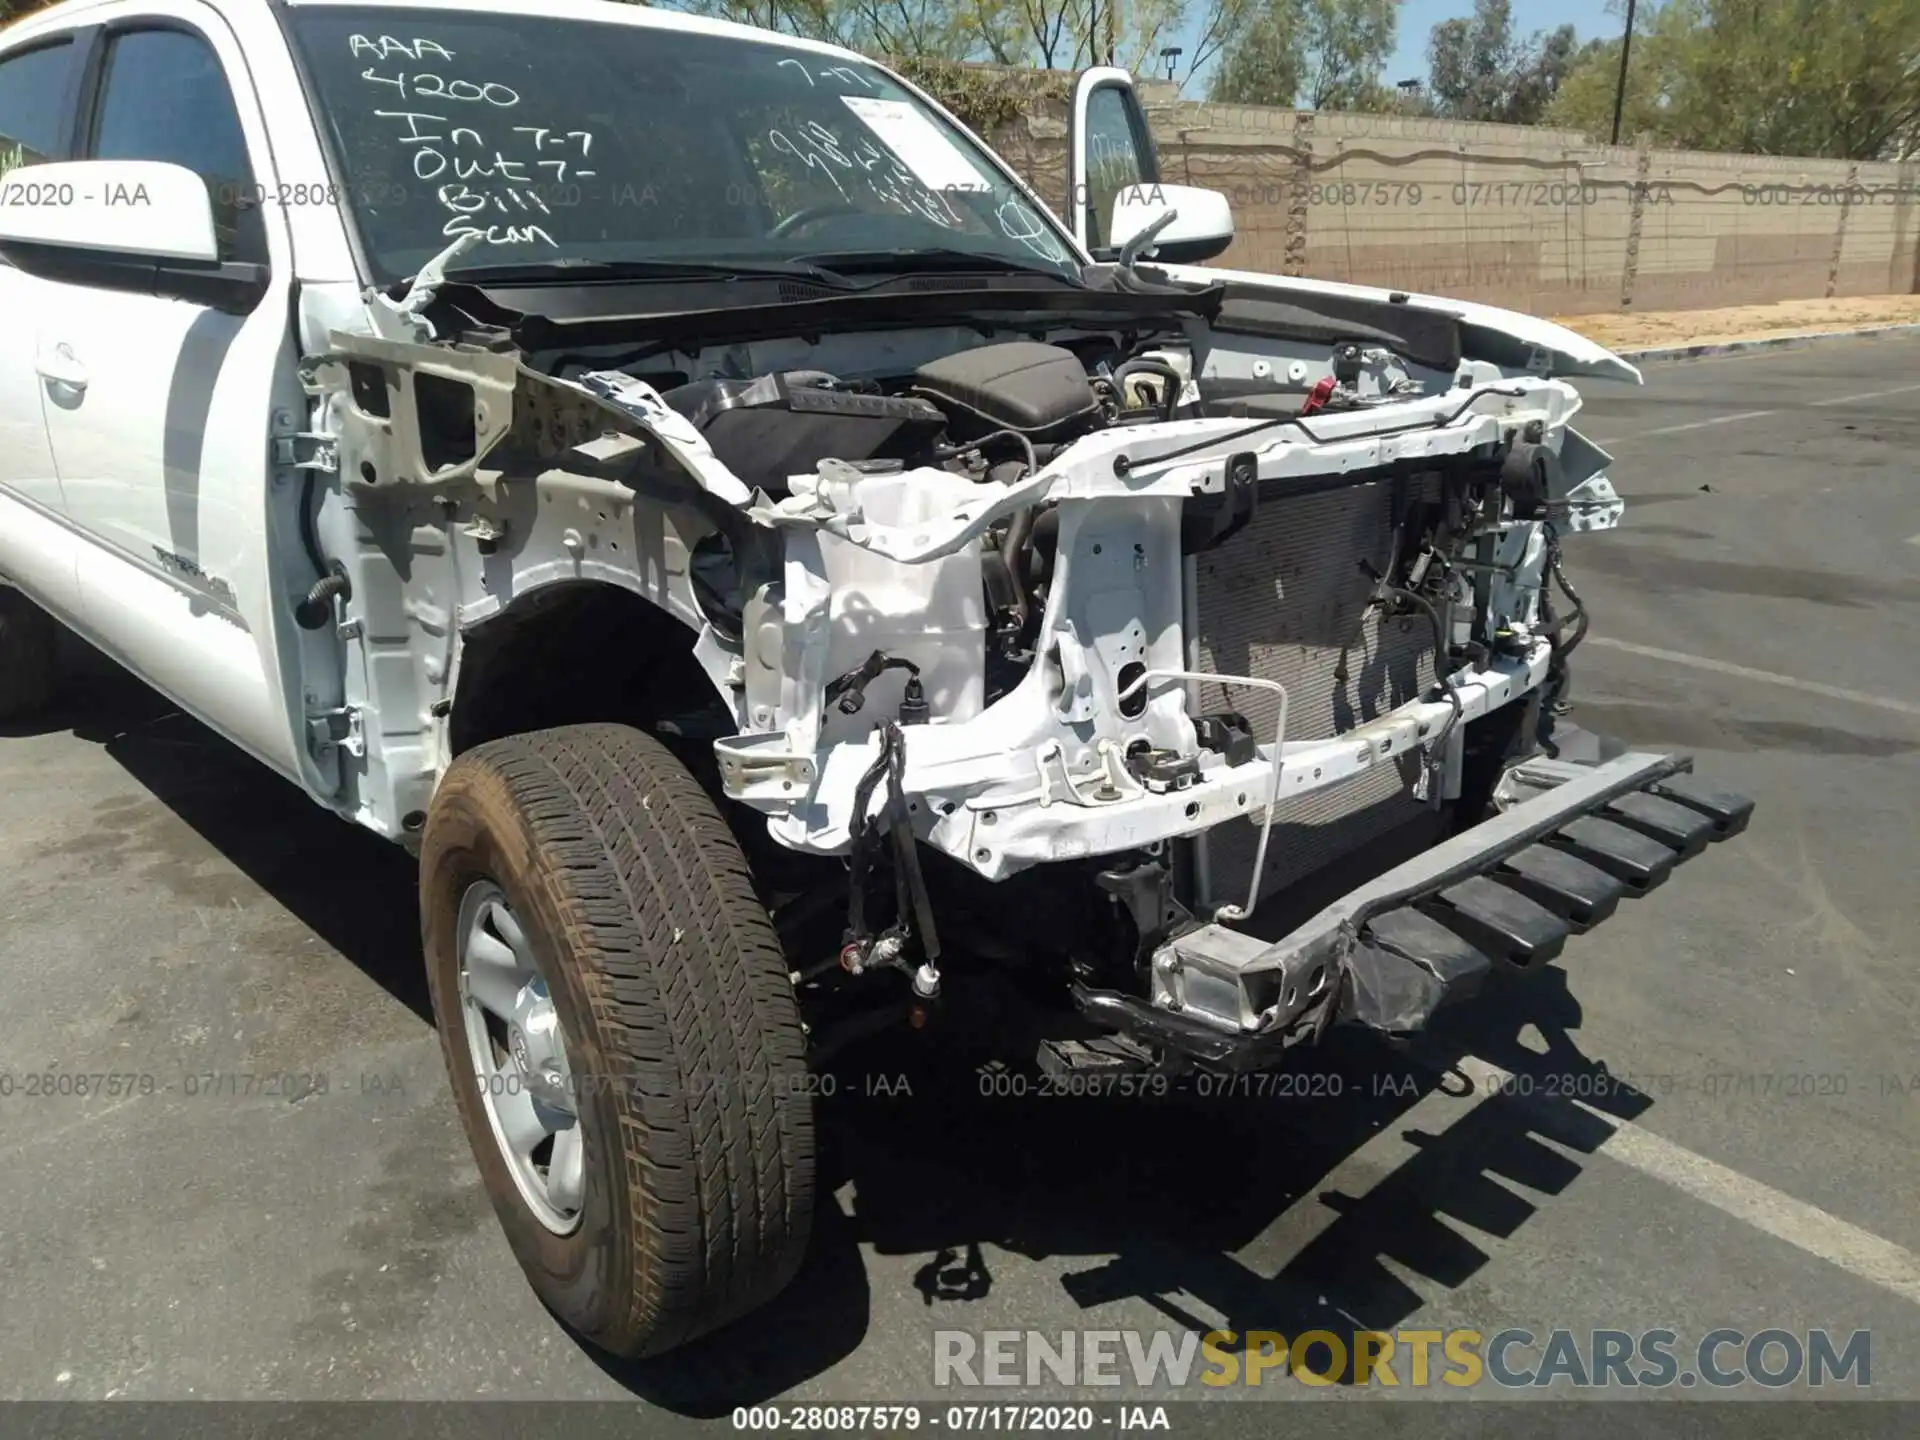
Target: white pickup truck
<point x="779" y="577"/>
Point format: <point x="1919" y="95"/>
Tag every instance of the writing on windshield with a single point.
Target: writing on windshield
<point x="628" y="142"/>
<point x="459" y="133"/>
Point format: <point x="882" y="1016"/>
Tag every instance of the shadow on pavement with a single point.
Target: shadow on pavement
<point x="351" y="888"/>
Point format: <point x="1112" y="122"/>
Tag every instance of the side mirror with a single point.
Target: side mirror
<point x="1202" y="226"/>
<point x="112" y="209"/>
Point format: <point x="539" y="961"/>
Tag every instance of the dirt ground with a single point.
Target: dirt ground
<point x="1653" y="328"/>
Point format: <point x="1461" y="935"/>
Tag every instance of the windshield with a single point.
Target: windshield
<point x="582" y="141"/>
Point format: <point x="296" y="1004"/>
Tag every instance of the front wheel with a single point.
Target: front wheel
<point x="621" y="1034"/>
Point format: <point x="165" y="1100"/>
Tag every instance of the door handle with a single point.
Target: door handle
<point x="61" y="367"/>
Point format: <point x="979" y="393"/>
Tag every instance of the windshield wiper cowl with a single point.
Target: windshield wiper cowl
<point x="943" y="260"/>
<point x="575" y="270"/>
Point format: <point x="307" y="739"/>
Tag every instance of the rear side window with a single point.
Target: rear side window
<point x="164" y="96"/>
<point x="33" y="100"/>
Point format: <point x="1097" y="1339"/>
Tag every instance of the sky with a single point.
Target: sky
<point x="1418" y="17"/>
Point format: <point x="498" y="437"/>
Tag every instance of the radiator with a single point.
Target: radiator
<point x="1286" y="600"/>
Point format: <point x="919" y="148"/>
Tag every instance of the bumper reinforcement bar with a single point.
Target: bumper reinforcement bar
<point x="1502" y="895"/>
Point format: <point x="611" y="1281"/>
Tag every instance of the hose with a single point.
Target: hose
<point x="317" y="608"/>
<point x="1176" y="383"/>
<point x="1557" y="672"/>
<point x="1384" y="589"/>
<point x="310" y="541"/>
<point x="1579" y="605"/>
<point x="1019" y="539"/>
<point x="947" y="452"/>
<point x="1013" y="554"/>
<point x="916" y="908"/>
<point x="1400" y="592"/>
<point x="313" y="610"/>
<point x="860" y="858"/>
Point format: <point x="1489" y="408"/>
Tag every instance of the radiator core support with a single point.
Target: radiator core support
<point x="1286" y="600"/>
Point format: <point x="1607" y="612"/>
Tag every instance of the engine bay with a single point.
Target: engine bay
<point x="925" y="424"/>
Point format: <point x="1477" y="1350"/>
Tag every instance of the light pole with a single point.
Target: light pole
<point x="1620" y="89"/>
<point x="1171" y="54"/>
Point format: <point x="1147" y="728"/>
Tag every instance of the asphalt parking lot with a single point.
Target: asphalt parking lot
<point x="170" y="909"/>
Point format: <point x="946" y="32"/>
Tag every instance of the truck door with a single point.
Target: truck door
<point x="159" y="395"/>
<point x="37" y="81"/>
<point x="1110" y="148"/>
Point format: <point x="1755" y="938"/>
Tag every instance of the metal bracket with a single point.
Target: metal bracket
<point x="342" y="729"/>
<point x="1205" y="975"/>
<point x="758" y="765"/>
<point x="306" y="450"/>
<point x="1594" y="504"/>
<point x="402" y="319"/>
<point x="485" y="533"/>
<point x="1532" y="778"/>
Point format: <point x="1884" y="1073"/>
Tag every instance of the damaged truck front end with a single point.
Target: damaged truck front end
<point x="783" y="582"/>
<point x="1063" y="653"/>
<point x="1256" y="647"/>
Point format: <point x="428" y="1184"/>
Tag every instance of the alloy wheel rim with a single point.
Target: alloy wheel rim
<point x="519" y="1054"/>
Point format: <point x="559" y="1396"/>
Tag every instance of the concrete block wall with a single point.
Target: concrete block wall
<point x="1536" y="219"/>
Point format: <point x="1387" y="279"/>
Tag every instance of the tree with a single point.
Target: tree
<point x="882" y="27"/>
<point x="1412" y="101"/>
<point x="1323" y="54"/>
<point x="1051" y="34"/>
<point x="1832" y="78"/>
<point x="985" y="29"/>
<point x="1222" y="23"/>
<point x="1266" y="65"/>
<point x="1347" y="45"/>
<point x="1540" y="74"/>
<point x="1071" y="34"/>
<point x="1807" y="77"/>
<point x="1058" y="32"/>
<point x="14" y="9"/>
<point x="1479" y="70"/>
<point x="1664" y="37"/>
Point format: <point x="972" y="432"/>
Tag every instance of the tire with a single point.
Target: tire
<point x="682" y="1034"/>
<point x="28" y="642"/>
